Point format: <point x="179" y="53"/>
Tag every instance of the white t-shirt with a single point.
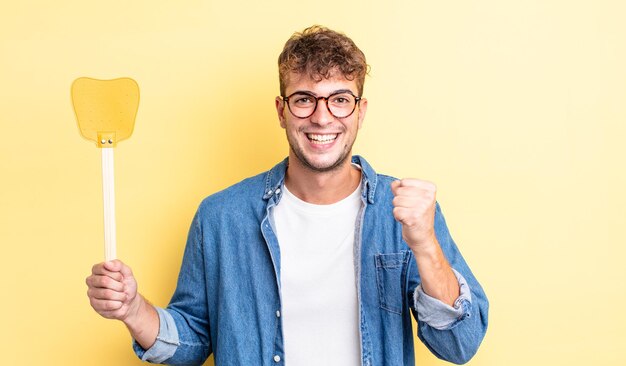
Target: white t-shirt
<point x="320" y="312"/>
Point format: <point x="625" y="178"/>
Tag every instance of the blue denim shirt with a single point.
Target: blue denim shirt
<point x="228" y="300"/>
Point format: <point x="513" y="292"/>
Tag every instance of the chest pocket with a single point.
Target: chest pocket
<point x="391" y="271"/>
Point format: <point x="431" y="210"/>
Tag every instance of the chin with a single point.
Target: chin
<point x="324" y="165"/>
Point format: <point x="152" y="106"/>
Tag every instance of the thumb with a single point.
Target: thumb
<point x="117" y="265"/>
<point x="394" y="185"/>
<point x="113" y="265"/>
<point x="125" y="270"/>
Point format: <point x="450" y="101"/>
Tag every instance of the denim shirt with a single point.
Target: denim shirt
<point x="228" y="299"/>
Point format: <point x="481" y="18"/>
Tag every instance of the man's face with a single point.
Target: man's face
<point x="321" y="142"/>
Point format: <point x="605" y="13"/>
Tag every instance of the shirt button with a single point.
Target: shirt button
<point x="278" y="313"/>
<point x="277" y="190"/>
<point x="277" y="358"/>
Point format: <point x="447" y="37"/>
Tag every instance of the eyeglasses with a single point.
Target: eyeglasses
<point x="340" y="104"/>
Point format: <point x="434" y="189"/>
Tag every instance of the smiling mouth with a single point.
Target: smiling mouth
<point x="320" y="139"/>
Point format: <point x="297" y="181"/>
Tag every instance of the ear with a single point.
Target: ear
<point x="280" y="109"/>
<point x="362" y="110"/>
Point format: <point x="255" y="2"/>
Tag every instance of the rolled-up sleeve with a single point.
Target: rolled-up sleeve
<point x="438" y="314"/>
<point x="166" y="343"/>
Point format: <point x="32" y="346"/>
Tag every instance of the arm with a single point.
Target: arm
<point x="451" y="311"/>
<point x="458" y="338"/>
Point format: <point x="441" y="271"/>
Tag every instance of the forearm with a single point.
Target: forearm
<point x="143" y="324"/>
<point x="455" y="333"/>
<point x="452" y="331"/>
<point x="437" y="278"/>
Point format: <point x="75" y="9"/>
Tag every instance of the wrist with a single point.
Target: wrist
<point x="143" y="322"/>
<point x="136" y="311"/>
<point x="429" y="255"/>
<point x="428" y="247"/>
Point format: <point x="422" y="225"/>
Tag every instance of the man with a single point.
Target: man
<point x="319" y="261"/>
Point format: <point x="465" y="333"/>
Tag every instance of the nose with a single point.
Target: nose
<point x="322" y="116"/>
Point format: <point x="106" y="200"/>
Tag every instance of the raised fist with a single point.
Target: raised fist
<point x="414" y="208"/>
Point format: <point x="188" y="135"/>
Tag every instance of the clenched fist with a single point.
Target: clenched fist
<point x="414" y="208"/>
<point x="112" y="290"/>
<point x="113" y="294"/>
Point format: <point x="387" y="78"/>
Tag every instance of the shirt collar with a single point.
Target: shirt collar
<point x="275" y="178"/>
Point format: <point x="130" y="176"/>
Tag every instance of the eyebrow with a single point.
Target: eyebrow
<point x="338" y="91"/>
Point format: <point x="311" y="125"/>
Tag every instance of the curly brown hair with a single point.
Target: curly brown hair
<point x="319" y="52"/>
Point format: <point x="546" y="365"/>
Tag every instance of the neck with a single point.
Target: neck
<point x="321" y="188"/>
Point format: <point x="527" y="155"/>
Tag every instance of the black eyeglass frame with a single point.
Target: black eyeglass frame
<point x="357" y="100"/>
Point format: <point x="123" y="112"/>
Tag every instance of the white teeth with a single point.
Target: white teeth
<point x="321" y="138"/>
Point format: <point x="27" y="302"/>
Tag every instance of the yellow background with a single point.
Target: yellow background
<point x="516" y="109"/>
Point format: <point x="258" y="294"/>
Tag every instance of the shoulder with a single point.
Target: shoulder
<point x="242" y="194"/>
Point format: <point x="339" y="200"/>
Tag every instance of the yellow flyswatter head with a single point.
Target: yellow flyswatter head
<point x="105" y="109"/>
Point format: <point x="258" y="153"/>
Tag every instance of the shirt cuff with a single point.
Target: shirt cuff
<point x="438" y="314"/>
<point x="166" y="342"/>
